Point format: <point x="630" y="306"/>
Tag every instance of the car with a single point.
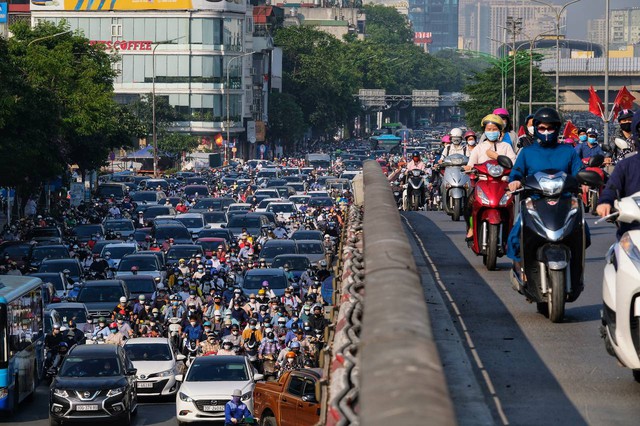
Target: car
<point x="276" y="277"/>
<point x="159" y="254"/>
<point x="272" y="193"/>
<point x="116" y="189"/>
<point x="195" y="180"/>
<point x="208" y="384"/>
<point x="39" y="253"/>
<point x="210" y="245"/>
<point x="50" y="234"/>
<point x="350" y="174"/>
<point x="59" y="265"/>
<point x="314" y="194"/>
<point x="124" y="227"/>
<point x="152" y="211"/>
<point x="139" y="284"/>
<point x="313" y="249"/>
<point x="298" y="263"/>
<point x="214" y="219"/>
<point x="218" y="233"/>
<point x="273" y="248"/>
<point x="307" y="234"/>
<point x="285" y="191"/>
<point x="252" y="222"/>
<point x="118" y="250"/>
<point x="239" y="207"/>
<point x="156" y="363"/>
<point x="183" y="251"/>
<point x="321" y="202"/>
<point x="193" y="221"/>
<point x="216" y="204"/>
<point x="177" y="231"/>
<point x="299" y="187"/>
<point x="141" y="234"/>
<point x="59" y="281"/>
<point x="196" y="191"/>
<point x="149" y="184"/>
<point x="147" y="264"/>
<point x="174" y="200"/>
<point x="83" y="233"/>
<point x="282" y="209"/>
<point x="102" y="296"/>
<point x="272" y="183"/>
<point x="262" y="205"/>
<point x="68" y="311"/>
<point x="300" y="200"/>
<point x="150" y="198"/>
<point x="95" y="382"/>
<point x="18" y="251"/>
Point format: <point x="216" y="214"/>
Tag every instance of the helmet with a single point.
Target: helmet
<point x="469" y="133"/>
<point x="113" y="325"/>
<point x="123" y="299"/>
<point x="291" y="354"/>
<point x="592" y="131"/>
<point x="501" y="112"/>
<point x="56" y="325"/>
<point x="455" y="136"/>
<point x="141" y="297"/>
<point x="446" y="139"/>
<point x="493" y="118"/>
<point x="294" y="345"/>
<point x="415" y="154"/>
<point x="625" y="114"/>
<point x="547" y="115"/>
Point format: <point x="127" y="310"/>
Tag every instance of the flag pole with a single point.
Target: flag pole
<point x="606" y="74"/>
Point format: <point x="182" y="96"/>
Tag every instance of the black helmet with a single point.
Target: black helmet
<point x="415" y="154"/>
<point x="625" y="114"/>
<point x="547" y="115"/>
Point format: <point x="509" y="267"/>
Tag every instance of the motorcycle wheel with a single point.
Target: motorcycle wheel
<point x="492" y="247"/>
<point x="593" y="203"/>
<point x="457" y="209"/>
<point x="636" y="375"/>
<point x="557" y="297"/>
<point x="415" y="202"/>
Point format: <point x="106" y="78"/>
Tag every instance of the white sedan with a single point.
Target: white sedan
<point x="156" y="363"/>
<point x="208" y="384"/>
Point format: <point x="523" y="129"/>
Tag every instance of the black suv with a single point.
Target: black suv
<point x="95" y="382"/>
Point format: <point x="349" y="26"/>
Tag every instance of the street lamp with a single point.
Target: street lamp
<point x="558" y="14"/>
<point x="228" y="100"/>
<point x="153" y="102"/>
<point x="503" y="76"/>
<point x="48" y="37"/>
<point x="514" y="26"/>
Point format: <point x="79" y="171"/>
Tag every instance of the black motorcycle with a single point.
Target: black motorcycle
<point x="415" y="189"/>
<point x="552" y="240"/>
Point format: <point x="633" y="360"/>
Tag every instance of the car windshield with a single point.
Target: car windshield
<point x="143" y="264"/>
<point x="118" y="252"/>
<point x="323" y="202"/>
<point x="295" y="263"/>
<point x="59" y="267"/>
<point x="192" y="190"/>
<point x="215" y="217"/>
<point x="191" y="222"/>
<point x="16" y="251"/>
<point x="148" y="352"/>
<point x="252" y="282"/>
<point x="172" y="232"/>
<point x="56" y="280"/>
<point x="87" y="230"/>
<point x="79" y="315"/>
<point x="108" y="190"/>
<point x="281" y="208"/>
<point x="274" y="250"/>
<point x="210" y="245"/>
<point x="45" y="232"/>
<point x="214" y="233"/>
<point x="141" y="285"/>
<point x="45" y="252"/>
<point x="206" y="204"/>
<point x="183" y="252"/>
<point x="120" y="225"/>
<point x="217" y="371"/>
<point x="107" y="293"/>
<point x="244" y="222"/>
<point x="150" y="213"/>
<point x="77" y="366"/>
<point x="305" y="236"/>
<point x="145" y="196"/>
<point x="310" y="248"/>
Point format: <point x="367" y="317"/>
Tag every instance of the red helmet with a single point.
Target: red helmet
<point x="113" y="325"/>
<point x="469" y="133"/>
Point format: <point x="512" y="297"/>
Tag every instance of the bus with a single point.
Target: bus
<point x="21" y="338"/>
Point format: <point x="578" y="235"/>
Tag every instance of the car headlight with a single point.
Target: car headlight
<point x="184" y="397"/>
<point x="165" y="373"/>
<point x="61" y="392"/>
<point x="482" y="196"/>
<point x="115" y="392"/>
<point x="247" y="396"/>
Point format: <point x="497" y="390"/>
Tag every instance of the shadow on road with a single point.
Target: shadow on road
<point x="519" y="387"/>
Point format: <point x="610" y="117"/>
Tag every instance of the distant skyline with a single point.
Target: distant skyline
<point x="579" y="13"/>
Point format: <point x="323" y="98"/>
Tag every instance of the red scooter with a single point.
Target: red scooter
<point x="591" y="194"/>
<point x="492" y="210"/>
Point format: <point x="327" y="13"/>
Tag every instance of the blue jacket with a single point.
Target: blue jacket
<point x="585" y="151"/>
<point x="624" y="181"/>
<point x="535" y="158"/>
<point x="235" y="411"/>
<point x="193" y="333"/>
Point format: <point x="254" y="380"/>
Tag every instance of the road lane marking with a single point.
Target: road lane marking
<point x="454" y="306"/>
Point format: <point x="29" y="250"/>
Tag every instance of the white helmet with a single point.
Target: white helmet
<point x="123" y="299"/>
<point x="456" y="136"/>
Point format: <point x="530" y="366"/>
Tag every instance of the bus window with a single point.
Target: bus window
<point x="24" y="315"/>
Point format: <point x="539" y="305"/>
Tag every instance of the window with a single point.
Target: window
<point x="296" y="386"/>
<point x="24" y="318"/>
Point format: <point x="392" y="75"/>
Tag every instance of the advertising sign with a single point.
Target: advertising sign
<point x="251" y="131"/>
<point x="3" y="13"/>
<point x="77" y="193"/>
<point x="220" y="5"/>
<point x="261" y="131"/>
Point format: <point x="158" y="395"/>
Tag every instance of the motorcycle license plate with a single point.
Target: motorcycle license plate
<point x="213" y="408"/>
<point x="91" y="407"/>
<point x="145" y="385"/>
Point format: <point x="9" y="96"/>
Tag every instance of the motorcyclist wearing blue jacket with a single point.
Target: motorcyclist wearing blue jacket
<point x="545" y="155"/>
<point x="591" y="147"/>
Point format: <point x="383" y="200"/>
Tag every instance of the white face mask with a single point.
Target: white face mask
<point x="290" y="360"/>
<point x="530" y="129"/>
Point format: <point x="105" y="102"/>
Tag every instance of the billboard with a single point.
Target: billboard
<point x="106" y="5"/>
<point x="3" y="13"/>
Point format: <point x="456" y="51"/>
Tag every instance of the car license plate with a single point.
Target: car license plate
<point x="145" y="384"/>
<point x="91" y="407"/>
<point x="213" y="408"/>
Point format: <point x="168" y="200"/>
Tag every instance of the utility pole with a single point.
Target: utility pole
<point x="606" y="75"/>
<point x="514" y="26"/>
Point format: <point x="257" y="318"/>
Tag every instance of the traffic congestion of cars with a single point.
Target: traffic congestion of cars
<point x="191" y="288"/>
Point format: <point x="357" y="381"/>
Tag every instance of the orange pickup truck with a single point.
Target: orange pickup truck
<point x="292" y="400"/>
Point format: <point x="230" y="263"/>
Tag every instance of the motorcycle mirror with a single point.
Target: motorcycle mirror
<point x="588" y="177"/>
<point x="180" y="357"/>
<point x="505" y="161"/>
<point x="596" y="161"/>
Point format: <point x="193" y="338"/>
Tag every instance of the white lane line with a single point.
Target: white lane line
<point x="472" y="346"/>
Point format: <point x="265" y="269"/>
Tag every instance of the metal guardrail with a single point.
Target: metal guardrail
<point x="401" y="377"/>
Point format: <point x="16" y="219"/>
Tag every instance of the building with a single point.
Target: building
<point x="337" y="21"/>
<point x="624" y="27"/>
<point x="437" y="17"/>
<point x="402" y="6"/>
<point x="597" y="31"/>
<point x="200" y="55"/>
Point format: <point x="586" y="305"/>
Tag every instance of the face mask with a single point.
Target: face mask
<point x="592" y="141"/>
<point x="547" y="138"/>
<point x="235" y="333"/>
<point x="290" y="360"/>
<point x="471" y="142"/>
<point x="236" y="399"/>
<point x="625" y="127"/>
<point x="113" y="331"/>
<point x="193" y="324"/>
<point x="492" y="136"/>
<point x="253" y="327"/>
<point x="530" y="129"/>
<point x="582" y="138"/>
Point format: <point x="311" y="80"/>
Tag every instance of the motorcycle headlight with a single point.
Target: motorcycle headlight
<point x="495" y="170"/>
<point x="505" y="199"/>
<point x="184" y="397"/>
<point x="626" y="243"/>
<point x="247" y="396"/>
<point x="482" y="196"/>
<point x="115" y="392"/>
<point x="551" y="186"/>
<point x="61" y="392"/>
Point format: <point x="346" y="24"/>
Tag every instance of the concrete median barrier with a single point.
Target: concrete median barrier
<point x="401" y="377"/>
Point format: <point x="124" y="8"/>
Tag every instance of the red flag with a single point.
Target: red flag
<point x="521" y="132"/>
<point x="595" y="104"/>
<point x="624" y="100"/>
<point x="570" y="131"/>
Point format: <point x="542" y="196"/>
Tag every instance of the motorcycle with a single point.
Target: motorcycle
<point x="396" y="187"/>
<point x="491" y="210"/>
<point x="552" y="240"/>
<point x="591" y="194"/>
<point x="191" y="348"/>
<point x="621" y="304"/>
<point x="269" y="366"/>
<point x="54" y="358"/>
<point x="174" y="331"/>
<point x="455" y="185"/>
<point x="251" y="352"/>
<point x="414" y="193"/>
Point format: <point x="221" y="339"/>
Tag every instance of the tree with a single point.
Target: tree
<point x="385" y="25"/>
<point x="174" y="143"/>
<point x="286" y="119"/>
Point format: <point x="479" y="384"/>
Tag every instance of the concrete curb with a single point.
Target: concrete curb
<point x="401" y="376"/>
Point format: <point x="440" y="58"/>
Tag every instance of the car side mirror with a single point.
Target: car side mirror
<point x="505" y="161"/>
<point x="131" y="371"/>
<point x="180" y="357"/>
<point x="311" y="398"/>
<point x="258" y="377"/>
<point x="179" y="377"/>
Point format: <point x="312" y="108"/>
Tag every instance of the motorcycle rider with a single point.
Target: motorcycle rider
<point x="470" y="139"/>
<point x="101" y="331"/>
<point x="456" y="146"/>
<point x="210" y="346"/>
<point x="236" y="411"/>
<point x="591" y="148"/>
<point x="527" y="138"/>
<point x="625" y="119"/>
<point x="52" y="342"/>
<point x="115" y="337"/>
<point x="416" y="162"/>
<point x="546" y="154"/>
<point x="510" y="135"/>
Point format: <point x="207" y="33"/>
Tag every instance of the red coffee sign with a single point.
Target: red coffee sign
<point x="123" y="45"/>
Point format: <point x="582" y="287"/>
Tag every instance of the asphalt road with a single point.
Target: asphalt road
<point x="528" y="371"/>
<point x="150" y="411"/>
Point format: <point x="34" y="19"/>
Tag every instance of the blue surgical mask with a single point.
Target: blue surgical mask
<point x="492" y="136"/>
<point x="582" y="138"/>
<point x="592" y="141"/>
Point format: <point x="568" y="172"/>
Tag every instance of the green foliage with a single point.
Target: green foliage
<point x="385" y="25"/>
<point x="286" y="119"/>
<point x="175" y="143"/>
<point x="142" y="109"/>
<point x="485" y="89"/>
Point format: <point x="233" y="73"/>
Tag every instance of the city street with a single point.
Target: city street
<point x="530" y="371"/>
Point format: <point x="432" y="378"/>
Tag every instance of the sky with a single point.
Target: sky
<point x="579" y="13"/>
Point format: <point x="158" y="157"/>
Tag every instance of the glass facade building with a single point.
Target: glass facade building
<point x="438" y="17"/>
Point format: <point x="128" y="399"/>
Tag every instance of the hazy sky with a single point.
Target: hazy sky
<point x="578" y="13"/>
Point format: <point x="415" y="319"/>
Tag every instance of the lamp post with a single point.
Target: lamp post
<point x="515" y="26"/>
<point x="48" y="37"/>
<point x="558" y="14"/>
<point x="531" y="44"/>
<point x="605" y="113"/>
<point x="153" y="102"/>
<point x="228" y="100"/>
<point x="503" y="76"/>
